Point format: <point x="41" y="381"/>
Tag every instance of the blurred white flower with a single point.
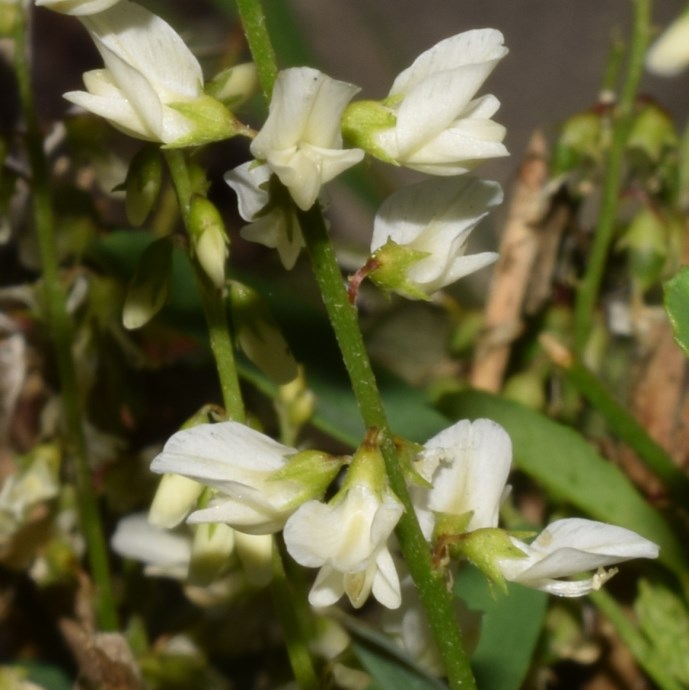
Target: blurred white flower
<point x="271" y="223"/>
<point x="163" y="553"/>
<point x="430" y="120"/>
<point x="572" y="546"/>
<point x="669" y="54"/>
<point x="152" y="85"/>
<point x="301" y="140"/>
<point x="420" y="234"/>
<point x="347" y="539"/>
<point x="469" y="466"/>
<point x="77" y="7"/>
<point x="257" y="487"/>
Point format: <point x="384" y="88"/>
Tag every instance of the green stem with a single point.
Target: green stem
<point x="211" y="299"/>
<point x="634" y="641"/>
<point x="587" y="294"/>
<point x="254" y="23"/>
<point x="436" y="599"/>
<point x="54" y="299"/>
<point x="343" y="316"/>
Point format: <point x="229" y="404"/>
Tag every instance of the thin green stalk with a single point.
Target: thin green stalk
<point x="634" y="641"/>
<point x="254" y="23"/>
<point x="621" y="421"/>
<point x="343" y="316"/>
<point x="211" y="299"/>
<point x="54" y="300"/>
<point x="587" y="294"/>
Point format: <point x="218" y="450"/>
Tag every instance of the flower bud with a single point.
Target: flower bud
<point x="143" y="184"/>
<point x="259" y="336"/>
<point x="579" y="142"/>
<point x="209" y="239"/>
<point x="652" y="132"/>
<point x="175" y="498"/>
<point x="255" y="552"/>
<point x="148" y="289"/>
<point x="211" y="548"/>
<point x="646" y="245"/>
<point x="234" y="85"/>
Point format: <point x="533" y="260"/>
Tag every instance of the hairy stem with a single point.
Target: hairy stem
<point x="343" y="316"/>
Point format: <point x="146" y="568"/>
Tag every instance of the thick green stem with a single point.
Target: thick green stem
<point x="343" y="316"/>
<point x="587" y="294"/>
<point x="54" y="300"/>
<point x="211" y="298"/>
<point x="254" y="23"/>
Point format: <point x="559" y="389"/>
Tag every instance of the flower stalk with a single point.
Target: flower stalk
<point x="211" y="298"/>
<point x="54" y="300"/>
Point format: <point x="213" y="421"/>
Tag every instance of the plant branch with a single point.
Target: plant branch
<point x="54" y="302"/>
<point x="587" y="294"/>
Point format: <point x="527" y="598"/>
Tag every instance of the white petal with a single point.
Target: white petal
<point x="432" y="106"/>
<point x="246" y="181"/>
<point x="77" y="7"/>
<point x="479" y="456"/>
<point x="470" y="47"/>
<point x="328" y="587"/>
<point x="135" y="538"/>
<point x="669" y="55"/>
<point x="386" y="583"/>
<point x="218" y="453"/>
<point x="150" y="45"/>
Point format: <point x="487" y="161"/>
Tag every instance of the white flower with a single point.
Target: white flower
<point x="439" y="127"/>
<point x="433" y="221"/>
<point x="669" y="55"/>
<point x="150" y="76"/>
<point x="257" y="488"/>
<point x="301" y="140"/>
<point x="347" y="539"/>
<point x="236" y="461"/>
<point x="273" y="225"/>
<point x="572" y="546"/>
<point x="77" y="7"/>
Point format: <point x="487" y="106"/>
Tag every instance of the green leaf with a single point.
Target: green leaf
<point x="510" y="629"/>
<point x="568" y="467"/>
<point x="677" y="306"/>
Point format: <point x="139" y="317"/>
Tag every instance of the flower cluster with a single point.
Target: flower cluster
<point x="262" y="487"/>
<point x="430" y="121"/>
